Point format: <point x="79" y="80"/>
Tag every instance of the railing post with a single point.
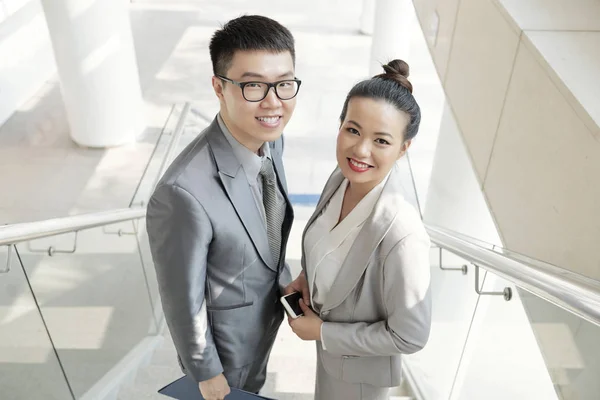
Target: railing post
<point x="507" y="292"/>
<point x="8" y="260"/>
<point x="463" y="268"/>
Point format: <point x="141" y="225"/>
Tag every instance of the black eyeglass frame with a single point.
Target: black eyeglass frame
<point x="273" y="85"/>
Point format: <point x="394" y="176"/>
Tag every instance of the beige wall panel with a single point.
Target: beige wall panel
<point x="479" y="70"/>
<point x="543" y="181"/>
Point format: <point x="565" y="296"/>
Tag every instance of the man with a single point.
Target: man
<point x="219" y="219"/>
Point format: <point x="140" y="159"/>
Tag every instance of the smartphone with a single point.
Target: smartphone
<point x="291" y="303"/>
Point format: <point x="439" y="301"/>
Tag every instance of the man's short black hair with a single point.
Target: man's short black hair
<point x="249" y="32"/>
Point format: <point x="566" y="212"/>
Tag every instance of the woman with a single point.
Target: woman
<point x="365" y="251"/>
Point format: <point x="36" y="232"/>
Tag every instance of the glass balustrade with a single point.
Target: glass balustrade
<point x="92" y="292"/>
<point x="74" y="306"/>
<point x="29" y="366"/>
<point x="484" y="347"/>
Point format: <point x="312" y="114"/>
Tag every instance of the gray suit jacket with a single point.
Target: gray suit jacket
<point x="218" y="282"/>
<point x="379" y="306"/>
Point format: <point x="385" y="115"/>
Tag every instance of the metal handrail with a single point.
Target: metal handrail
<point x="23" y="232"/>
<point x="566" y="289"/>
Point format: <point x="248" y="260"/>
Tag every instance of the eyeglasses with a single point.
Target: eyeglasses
<point x="257" y="91"/>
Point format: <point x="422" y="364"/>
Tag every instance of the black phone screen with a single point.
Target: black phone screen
<point x="294" y="302"/>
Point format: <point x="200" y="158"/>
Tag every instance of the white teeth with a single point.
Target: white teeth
<point x="268" y="120"/>
<point x="359" y="165"/>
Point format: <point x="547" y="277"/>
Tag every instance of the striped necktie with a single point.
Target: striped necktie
<point x="274" y="209"/>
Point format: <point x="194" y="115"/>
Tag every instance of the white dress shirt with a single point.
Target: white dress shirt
<point x="327" y="242"/>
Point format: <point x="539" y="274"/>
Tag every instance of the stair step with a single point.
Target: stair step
<point x="138" y="393"/>
<point x="155" y="376"/>
<point x="163" y="368"/>
<point x="164" y="357"/>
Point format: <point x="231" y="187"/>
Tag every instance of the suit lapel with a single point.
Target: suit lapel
<point x="289" y="210"/>
<point x="280" y="174"/>
<point x="370" y="236"/>
<point x="239" y="193"/>
<point x="331" y="186"/>
<point x="278" y="163"/>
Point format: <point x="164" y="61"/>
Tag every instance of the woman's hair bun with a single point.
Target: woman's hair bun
<point x="399" y="67"/>
<point x="397" y="70"/>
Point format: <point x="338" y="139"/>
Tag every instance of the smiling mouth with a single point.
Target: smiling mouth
<point x="269" y="120"/>
<point x="358" y="164"/>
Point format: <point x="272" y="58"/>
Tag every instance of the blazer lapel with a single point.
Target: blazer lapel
<point x="280" y="174"/>
<point x="239" y="193"/>
<point x="276" y="156"/>
<point x="334" y="181"/>
<point x="278" y="163"/>
<point x="370" y="236"/>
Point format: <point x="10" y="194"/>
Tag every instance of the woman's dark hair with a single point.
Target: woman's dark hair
<point x="248" y="32"/>
<point x="393" y="87"/>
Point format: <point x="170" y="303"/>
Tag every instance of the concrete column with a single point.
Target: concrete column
<point x="95" y="57"/>
<point x="391" y="32"/>
<point x="367" y="18"/>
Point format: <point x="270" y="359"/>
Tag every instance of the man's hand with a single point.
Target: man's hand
<point x="307" y="326"/>
<point x="215" y="388"/>
<point x="300" y="284"/>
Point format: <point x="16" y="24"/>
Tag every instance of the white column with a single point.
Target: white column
<point x="367" y="18"/>
<point x="95" y="57"/>
<point x="391" y="33"/>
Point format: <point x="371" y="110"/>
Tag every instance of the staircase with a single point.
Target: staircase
<point x="289" y="376"/>
<point x="161" y="369"/>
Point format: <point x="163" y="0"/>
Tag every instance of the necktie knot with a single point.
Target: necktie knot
<point x="266" y="171"/>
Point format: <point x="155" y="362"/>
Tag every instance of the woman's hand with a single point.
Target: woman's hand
<point x="307" y="326"/>
<point x="299" y="284"/>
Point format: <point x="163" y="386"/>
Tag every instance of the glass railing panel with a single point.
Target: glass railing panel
<point x="192" y="125"/>
<point x="502" y="359"/>
<point x="29" y="368"/>
<point x="94" y="298"/>
<point x="150" y="176"/>
<point x="451" y="320"/>
<point x="432" y="370"/>
<point x="569" y="346"/>
<point x="408" y="184"/>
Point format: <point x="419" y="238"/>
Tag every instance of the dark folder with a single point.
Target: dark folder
<point x="185" y="388"/>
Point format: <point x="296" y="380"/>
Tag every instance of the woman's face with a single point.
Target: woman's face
<point x="370" y="141"/>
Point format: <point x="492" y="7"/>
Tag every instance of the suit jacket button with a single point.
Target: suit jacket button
<point x="325" y="313"/>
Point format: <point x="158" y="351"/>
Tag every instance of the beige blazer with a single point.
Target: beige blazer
<point x="379" y="307"/>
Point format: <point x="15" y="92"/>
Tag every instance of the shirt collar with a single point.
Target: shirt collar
<point x="362" y="210"/>
<point x="251" y="162"/>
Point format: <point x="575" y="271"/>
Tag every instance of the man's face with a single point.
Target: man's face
<point x="253" y="123"/>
